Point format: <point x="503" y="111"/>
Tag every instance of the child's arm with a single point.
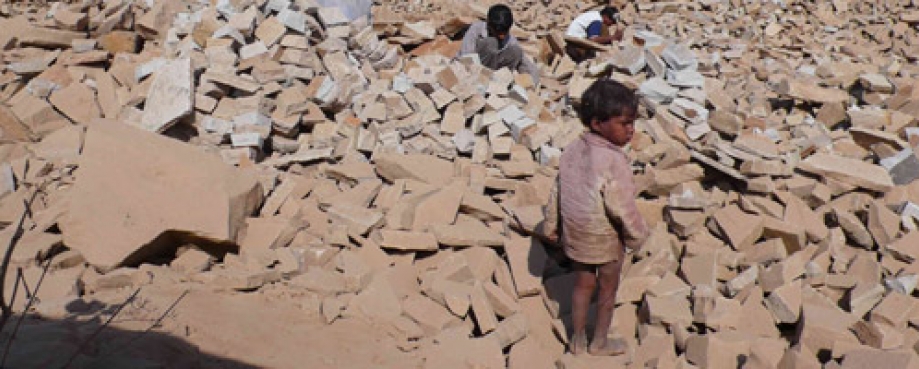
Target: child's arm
<point x="619" y="201"/>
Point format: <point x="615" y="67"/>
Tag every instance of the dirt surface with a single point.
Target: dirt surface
<point x="207" y="329"/>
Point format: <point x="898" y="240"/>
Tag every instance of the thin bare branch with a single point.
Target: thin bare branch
<point x="7" y="309"/>
<point x="20" y="279"/>
<point x="9" y="343"/>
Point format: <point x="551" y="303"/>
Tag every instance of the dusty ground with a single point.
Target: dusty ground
<point x="207" y="329"/>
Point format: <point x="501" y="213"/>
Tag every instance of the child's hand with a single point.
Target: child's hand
<point x="546" y="234"/>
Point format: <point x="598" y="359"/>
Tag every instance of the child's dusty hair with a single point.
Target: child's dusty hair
<point x="605" y="99"/>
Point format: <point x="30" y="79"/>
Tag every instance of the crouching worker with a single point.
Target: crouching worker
<point x="592" y="212"/>
<point x="495" y="46"/>
<point x="594" y="26"/>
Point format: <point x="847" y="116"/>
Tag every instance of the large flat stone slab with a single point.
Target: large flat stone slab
<point x="133" y="187"/>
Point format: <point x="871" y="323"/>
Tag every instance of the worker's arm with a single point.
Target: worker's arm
<point x="602" y="39"/>
<point x="530" y="67"/>
<point x="469" y="39"/>
<point x="616" y="36"/>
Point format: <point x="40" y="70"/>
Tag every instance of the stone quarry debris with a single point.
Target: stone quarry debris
<point x="363" y="165"/>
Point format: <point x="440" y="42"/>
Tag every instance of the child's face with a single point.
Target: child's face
<point x="618" y="129"/>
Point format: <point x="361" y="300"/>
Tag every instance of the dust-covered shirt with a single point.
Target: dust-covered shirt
<point x="592" y="204"/>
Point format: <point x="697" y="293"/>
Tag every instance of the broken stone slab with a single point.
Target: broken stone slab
<point x="451" y="294"/>
<point x="171" y="96"/>
<point x="269" y="233"/>
<point x="424" y="168"/>
<point x="247" y="139"/>
<point x="785" y="303"/>
<point x="685" y="78"/>
<point x="119" y="42"/>
<point x="680" y="57"/>
<point x="630" y="59"/>
<point x="152" y="188"/>
<point x="905" y="284"/>
<point x="13" y="128"/>
<point x="295" y="20"/>
<point x="903" y="167"/>
<point x="430" y="315"/>
<point x="32" y="35"/>
<point x="77" y="102"/>
<point x="658" y="90"/>
<point x="740" y="228"/>
<point x="408" y="241"/>
<point x="358" y="219"/>
<point x="894" y="310"/>
<point x="875" y="82"/>
<point x="905" y="248"/>
<point x="503" y="304"/>
<point x="466" y="234"/>
<point x="668" y="310"/>
<point x="510" y="330"/>
<point x="301" y="157"/>
<point x="192" y="261"/>
<point x="810" y="92"/>
<point x="378" y="301"/>
<point x="854" y="229"/>
<point x="527" y="260"/>
<point x="439" y="207"/>
<point x="689" y="110"/>
<point x="321" y="281"/>
<point x="244" y="280"/>
<point x="454" y="348"/>
<point x="716" y="350"/>
<point x="484" y="313"/>
<point x="700" y="270"/>
<point x="332" y="16"/>
<point x="239" y="82"/>
<point x="63" y="144"/>
<point x="867" y="357"/>
<point x="909" y="215"/>
<point x="851" y="171"/>
<point x="878" y="335"/>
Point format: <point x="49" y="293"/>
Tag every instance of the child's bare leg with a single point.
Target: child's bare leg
<point x="584" y="285"/>
<point x="608" y="276"/>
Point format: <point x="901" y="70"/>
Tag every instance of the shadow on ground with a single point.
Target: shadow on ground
<point x="55" y="343"/>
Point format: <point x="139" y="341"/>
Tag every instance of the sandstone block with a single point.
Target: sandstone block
<point x="171" y="96"/>
<point x="153" y="195"/>
<point x="527" y="260"/>
<point x="408" y="241"/>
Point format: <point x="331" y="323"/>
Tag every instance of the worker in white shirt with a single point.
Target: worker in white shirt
<point x="594" y="26"/>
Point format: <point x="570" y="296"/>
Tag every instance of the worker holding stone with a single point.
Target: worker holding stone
<point x="594" y="26"/>
<point x="592" y="212"/>
<point x="496" y="47"/>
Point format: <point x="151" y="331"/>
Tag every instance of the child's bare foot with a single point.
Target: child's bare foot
<point x="578" y="343"/>
<point x="608" y="347"/>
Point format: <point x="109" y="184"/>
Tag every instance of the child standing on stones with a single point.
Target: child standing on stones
<point x="592" y="211"/>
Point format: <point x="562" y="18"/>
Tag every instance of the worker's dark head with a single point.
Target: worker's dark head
<point x="610" y="15"/>
<point x="608" y="109"/>
<point x="500" y="19"/>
